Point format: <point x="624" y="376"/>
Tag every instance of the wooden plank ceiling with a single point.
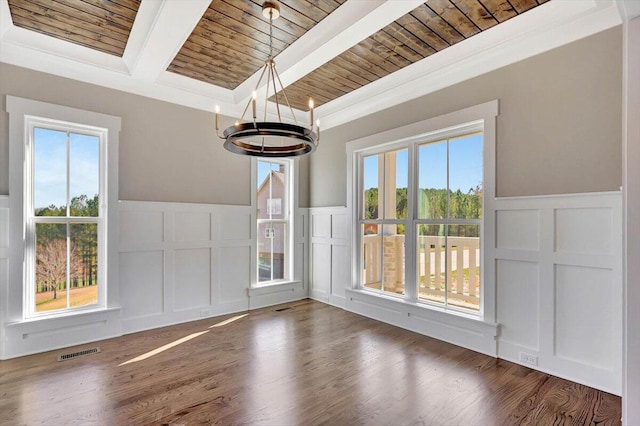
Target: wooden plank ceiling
<point x="430" y="28"/>
<point x="231" y="41"/>
<point x="99" y="24"/>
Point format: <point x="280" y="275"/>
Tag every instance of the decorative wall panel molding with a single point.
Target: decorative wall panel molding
<point x="180" y="262"/>
<point x="558" y="263"/>
<point x="559" y="285"/>
<point x="330" y="261"/>
<point x="4" y="267"/>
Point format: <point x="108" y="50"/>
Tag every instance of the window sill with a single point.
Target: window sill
<point x="436" y="314"/>
<point x="66" y="315"/>
<point x="274" y="287"/>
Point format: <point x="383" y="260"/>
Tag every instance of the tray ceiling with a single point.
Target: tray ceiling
<point x="230" y="42"/>
<point x="430" y="28"/>
<point x="103" y="25"/>
<point x="353" y="56"/>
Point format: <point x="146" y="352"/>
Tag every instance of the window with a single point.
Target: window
<point x="420" y="218"/>
<point x="384" y="220"/>
<point x="64" y="218"/>
<point x="449" y="219"/>
<point x="273" y="201"/>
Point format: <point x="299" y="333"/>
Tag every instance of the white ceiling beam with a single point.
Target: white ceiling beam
<point x="142" y="25"/>
<point x="347" y="26"/>
<point x="159" y="31"/>
<point x="5" y="17"/>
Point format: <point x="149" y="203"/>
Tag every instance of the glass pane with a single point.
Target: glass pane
<point x="431" y="262"/>
<point x="370" y="178"/>
<point x="465" y="177"/>
<point x="272" y="191"/>
<point x="400" y="187"/>
<point x="371" y="266"/>
<point x="51" y="267"/>
<point x="49" y="172"/>
<point x="264" y="188"/>
<point x="432" y="181"/>
<point x="463" y="259"/>
<point x="272" y="239"/>
<point x="393" y="258"/>
<point x="84" y="264"/>
<point x="84" y="174"/>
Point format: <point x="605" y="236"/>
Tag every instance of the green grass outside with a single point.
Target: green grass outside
<point x="80" y="296"/>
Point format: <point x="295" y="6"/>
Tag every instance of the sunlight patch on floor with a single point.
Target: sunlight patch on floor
<point x="229" y="321"/>
<point x="163" y="348"/>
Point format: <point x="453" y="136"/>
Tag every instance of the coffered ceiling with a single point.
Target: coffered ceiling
<point x="344" y="53"/>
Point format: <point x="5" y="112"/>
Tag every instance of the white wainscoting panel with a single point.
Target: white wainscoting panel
<point x="141" y="283"/>
<point x="4" y="268"/>
<point x="518" y="322"/>
<point x="340" y="269"/>
<point x="192" y="278"/>
<point x="233" y="274"/>
<point x="526" y="224"/>
<point x="584" y="230"/>
<point x="138" y="227"/>
<point x="584" y="315"/>
<point x="559" y="285"/>
<point x="180" y="262"/>
<point x="192" y="226"/>
<point x="330" y="258"/>
<point x="321" y="275"/>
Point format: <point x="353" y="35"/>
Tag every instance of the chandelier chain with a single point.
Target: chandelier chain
<point x="270" y="33"/>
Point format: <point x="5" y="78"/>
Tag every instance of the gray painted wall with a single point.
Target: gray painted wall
<point x="559" y="129"/>
<point x="167" y="152"/>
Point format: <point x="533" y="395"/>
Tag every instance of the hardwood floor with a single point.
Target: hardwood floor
<point x="297" y="364"/>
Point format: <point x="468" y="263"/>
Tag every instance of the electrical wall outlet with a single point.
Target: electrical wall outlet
<point x="204" y="313"/>
<point x="528" y="358"/>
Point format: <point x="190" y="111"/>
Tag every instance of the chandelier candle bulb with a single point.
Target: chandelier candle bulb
<point x="318" y="128"/>
<point x="254" y="96"/>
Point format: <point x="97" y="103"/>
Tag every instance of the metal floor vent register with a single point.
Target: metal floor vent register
<point x="64" y="357"/>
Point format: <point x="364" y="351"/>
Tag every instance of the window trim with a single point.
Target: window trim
<point x="443" y="126"/>
<point x="291" y="204"/>
<point x="20" y="111"/>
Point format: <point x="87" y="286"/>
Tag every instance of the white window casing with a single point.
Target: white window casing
<point x="473" y="119"/>
<point x="24" y="116"/>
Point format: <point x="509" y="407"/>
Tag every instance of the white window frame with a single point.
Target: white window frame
<point x="412" y="220"/>
<point x="24" y="115"/>
<point x="479" y="117"/>
<point x="31" y="123"/>
<point x="289" y="212"/>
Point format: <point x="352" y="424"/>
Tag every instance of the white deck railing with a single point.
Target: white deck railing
<point x="457" y="265"/>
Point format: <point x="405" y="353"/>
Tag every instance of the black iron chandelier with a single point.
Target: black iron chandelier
<point x="270" y="138"/>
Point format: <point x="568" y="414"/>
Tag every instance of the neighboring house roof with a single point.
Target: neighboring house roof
<point x="279" y="176"/>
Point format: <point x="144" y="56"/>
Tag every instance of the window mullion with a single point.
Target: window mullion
<point x="68" y="280"/>
<point x="447" y="257"/>
<point x="410" y="266"/>
<point x="68" y="174"/>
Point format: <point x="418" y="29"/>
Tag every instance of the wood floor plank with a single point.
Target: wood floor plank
<point x="308" y="364"/>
